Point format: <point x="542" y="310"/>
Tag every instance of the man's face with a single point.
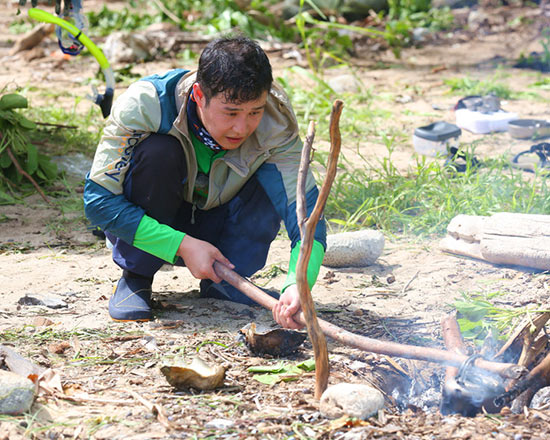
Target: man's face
<point x="230" y="124"/>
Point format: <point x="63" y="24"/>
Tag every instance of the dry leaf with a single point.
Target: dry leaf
<point x="41" y="321"/>
<point x="198" y="374"/>
<point x="49" y="382"/>
<point x="58" y="347"/>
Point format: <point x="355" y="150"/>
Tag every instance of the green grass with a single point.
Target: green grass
<point x="469" y="86"/>
<point x="68" y="131"/>
<point x="481" y="316"/>
<point x="418" y="201"/>
<point x="428" y="195"/>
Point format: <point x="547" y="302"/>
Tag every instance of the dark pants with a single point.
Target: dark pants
<point x="242" y="229"/>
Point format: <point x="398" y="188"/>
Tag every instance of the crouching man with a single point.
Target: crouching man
<point x="198" y="167"/>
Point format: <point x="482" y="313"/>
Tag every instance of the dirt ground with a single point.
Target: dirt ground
<point x="110" y="371"/>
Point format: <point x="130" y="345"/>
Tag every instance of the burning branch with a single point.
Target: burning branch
<point x="537" y="378"/>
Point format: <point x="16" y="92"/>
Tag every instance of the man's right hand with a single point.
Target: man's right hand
<point x="199" y="257"/>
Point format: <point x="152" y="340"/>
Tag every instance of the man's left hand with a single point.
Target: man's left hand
<point x="287" y="307"/>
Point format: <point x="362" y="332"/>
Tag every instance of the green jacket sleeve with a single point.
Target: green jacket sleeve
<point x="314" y="265"/>
<point x="158" y="239"/>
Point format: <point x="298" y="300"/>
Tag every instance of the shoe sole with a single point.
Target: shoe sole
<point x="132" y="320"/>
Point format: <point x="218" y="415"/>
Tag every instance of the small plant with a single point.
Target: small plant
<point x="479" y="317"/>
<point x="19" y="158"/>
<point x="469" y="86"/>
<point x="106" y="20"/>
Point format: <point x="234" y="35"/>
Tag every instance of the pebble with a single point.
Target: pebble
<point x="541" y="398"/>
<point x="353" y="249"/>
<point x="344" y="84"/>
<point x="220" y="424"/>
<point x="353" y="400"/>
<point x="16" y="393"/>
<point x="38" y="300"/>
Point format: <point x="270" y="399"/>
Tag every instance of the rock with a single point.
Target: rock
<point x="541" y="398"/>
<point x="351" y="399"/>
<point x="477" y="19"/>
<point x="16" y="393"/>
<point x="38" y="300"/>
<point x="220" y="424"/>
<point x="420" y="34"/>
<point x="353" y="249"/>
<point x="345" y="84"/>
<point x="128" y="47"/>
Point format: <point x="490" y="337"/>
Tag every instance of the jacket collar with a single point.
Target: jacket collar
<point x="277" y="128"/>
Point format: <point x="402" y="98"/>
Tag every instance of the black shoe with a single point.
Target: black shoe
<point x="131" y="300"/>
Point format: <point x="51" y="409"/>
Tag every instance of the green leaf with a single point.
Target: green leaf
<point x="25" y="123"/>
<point x="308" y="365"/>
<point x="467" y="325"/>
<point x="5" y="160"/>
<point x="268" y="379"/>
<point x="32" y="159"/>
<point x="277" y="368"/>
<point x="48" y="167"/>
<point x="13" y="100"/>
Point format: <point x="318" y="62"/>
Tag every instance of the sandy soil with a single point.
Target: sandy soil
<point x="403" y="296"/>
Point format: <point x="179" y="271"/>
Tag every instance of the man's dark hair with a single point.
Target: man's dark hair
<point x="236" y="67"/>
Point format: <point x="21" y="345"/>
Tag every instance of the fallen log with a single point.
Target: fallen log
<point x="32" y="38"/>
<point x="368" y="344"/>
<point x="503" y="238"/>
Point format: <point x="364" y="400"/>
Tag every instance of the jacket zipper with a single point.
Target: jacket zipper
<point x="193" y="209"/>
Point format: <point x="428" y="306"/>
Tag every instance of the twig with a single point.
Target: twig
<point x="155" y="408"/>
<point x="27" y="175"/>
<point x="47" y="124"/>
<point x="301" y="205"/>
<point x="76" y="399"/>
<point x="409" y="282"/>
<point x="164" y="10"/>
<point x="307" y="230"/>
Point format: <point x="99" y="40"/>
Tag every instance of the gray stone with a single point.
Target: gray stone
<point x="220" y="424"/>
<point x="16" y="393"/>
<point x="128" y="47"/>
<point x="39" y="300"/>
<point x="420" y="34"/>
<point x="353" y="249"/>
<point x="344" y="84"/>
<point x="351" y="399"/>
<point x="541" y="398"/>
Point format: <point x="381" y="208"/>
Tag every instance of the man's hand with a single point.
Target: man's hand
<point x="199" y="257"/>
<point x="286" y="308"/>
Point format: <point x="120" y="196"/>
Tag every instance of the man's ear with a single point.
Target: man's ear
<point x="199" y="95"/>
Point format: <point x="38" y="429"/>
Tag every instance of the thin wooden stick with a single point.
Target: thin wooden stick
<point x="165" y="10"/>
<point x="27" y="175"/>
<point x="316" y="336"/>
<point x="307" y="230"/>
<point x="301" y="204"/>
